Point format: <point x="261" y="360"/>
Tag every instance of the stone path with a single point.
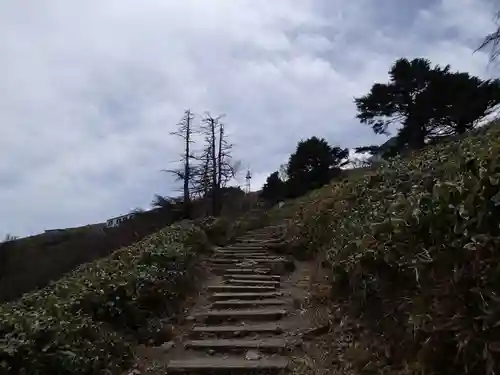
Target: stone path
<point x="246" y="324"/>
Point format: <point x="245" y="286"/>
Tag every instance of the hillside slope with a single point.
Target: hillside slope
<point x="413" y="249"/>
<point x="88" y="321"/>
<point x="92" y="319"/>
<point x="55" y="253"/>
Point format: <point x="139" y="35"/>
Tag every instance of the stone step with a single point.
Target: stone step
<point x="278" y="268"/>
<point x="221" y="270"/>
<point x="248" y="264"/>
<point x="236" y="259"/>
<point x="260" y="260"/>
<point x="228" y="344"/>
<point x="243" y="264"/>
<point x="242" y="303"/>
<point x="224" y="296"/>
<point x="251" y="282"/>
<point x="250" y="242"/>
<point x="245" y="271"/>
<point x="274" y="267"/>
<point x="239" y="259"/>
<point x="239" y="329"/>
<point x="261" y="245"/>
<point x="242" y="250"/>
<point x="241" y="255"/>
<point x="241" y="288"/>
<point x="242" y="245"/>
<point x="216" y="365"/>
<point x="250" y="314"/>
<point x="256" y="237"/>
<point x="247" y="246"/>
<point x="252" y="277"/>
<point x="260" y="242"/>
<point x="251" y="250"/>
<point x="253" y="236"/>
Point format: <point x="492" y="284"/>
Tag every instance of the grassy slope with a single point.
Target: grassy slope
<point x="414" y="248"/>
<point x="54" y="254"/>
<point x="88" y="321"/>
<point x="50" y="254"/>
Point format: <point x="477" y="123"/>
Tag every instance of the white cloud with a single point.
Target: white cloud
<point x="90" y="90"/>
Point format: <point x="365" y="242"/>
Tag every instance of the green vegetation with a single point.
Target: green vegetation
<point x="88" y="321"/>
<point x="55" y="253"/>
<point x="414" y="251"/>
<point x="427" y="102"/>
<point x="274" y="189"/>
<point x="313" y="164"/>
<point x="412" y="244"/>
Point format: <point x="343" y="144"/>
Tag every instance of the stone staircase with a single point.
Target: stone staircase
<point x="242" y="328"/>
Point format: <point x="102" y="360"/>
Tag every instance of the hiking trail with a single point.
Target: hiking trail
<point x="249" y="316"/>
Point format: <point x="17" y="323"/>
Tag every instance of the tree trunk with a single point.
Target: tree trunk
<point x="219" y="171"/>
<point x="185" y="173"/>
<point x="206" y="177"/>
<point x="461" y="128"/>
<point x="187" y="170"/>
<point x="215" y="191"/>
<point x="414" y="134"/>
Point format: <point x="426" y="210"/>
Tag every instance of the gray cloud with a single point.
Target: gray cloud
<point x="90" y="90"/>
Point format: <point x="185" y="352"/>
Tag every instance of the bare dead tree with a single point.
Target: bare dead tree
<point x="201" y="182"/>
<point x="209" y="128"/>
<point x="215" y="185"/>
<point x="185" y="131"/>
<point x="492" y="40"/>
<point x="220" y="156"/>
<point x="227" y="167"/>
<point x="216" y="168"/>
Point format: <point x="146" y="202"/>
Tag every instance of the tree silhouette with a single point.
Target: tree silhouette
<point x="274" y="188"/>
<point x="372" y="150"/>
<point x="427" y="102"/>
<point x="165" y="202"/>
<point x="313" y="164"/>
<point x="388" y="149"/>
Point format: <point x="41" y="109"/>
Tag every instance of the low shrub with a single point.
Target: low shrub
<point x="218" y="230"/>
<point x="223" y="230"/>
<point x="87" y="322"/>
<point x="414" y="248"/>
<point x="254" y="219"/>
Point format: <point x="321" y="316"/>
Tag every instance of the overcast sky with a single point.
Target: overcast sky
<point x="91" y="89"/>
